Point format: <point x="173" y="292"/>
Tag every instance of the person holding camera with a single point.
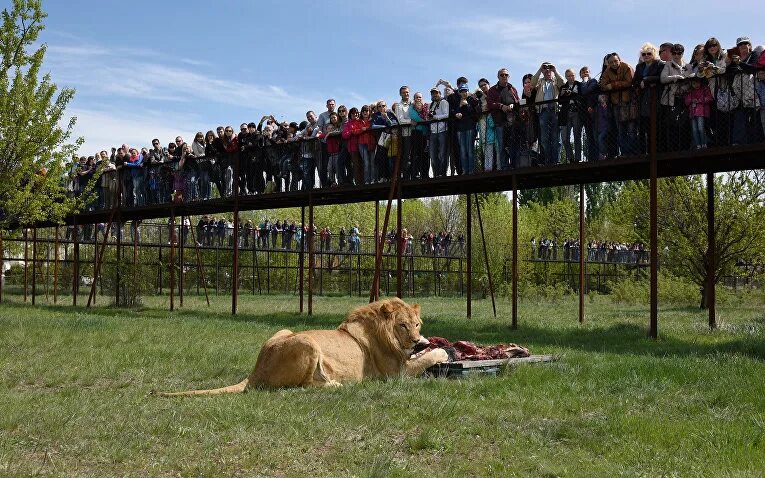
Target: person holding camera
<point x="547" y="82"/>
<point x="572" y="109"/>
<point x="501" y="100"/>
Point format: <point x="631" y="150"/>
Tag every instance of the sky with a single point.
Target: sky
<point x="160" y="69"/>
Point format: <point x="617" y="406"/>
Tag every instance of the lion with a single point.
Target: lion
<point x="374" y="341"/>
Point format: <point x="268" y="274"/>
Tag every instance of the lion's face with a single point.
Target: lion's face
<point x="406" y="324"/>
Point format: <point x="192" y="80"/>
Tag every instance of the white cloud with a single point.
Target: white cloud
<point x="103" y="129"/>
<point x="108" y="79"/>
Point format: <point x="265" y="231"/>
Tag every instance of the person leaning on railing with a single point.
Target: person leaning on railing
<point x="673" y="116"/>
<point x="418" y="112"/>
<point x="616" y="80"/>
<point x="108" y="181"/>
<point x="646" y="81"/>
<point x="502" y="99"/>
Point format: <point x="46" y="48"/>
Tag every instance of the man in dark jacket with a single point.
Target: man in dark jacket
<point x="501" y="101"/>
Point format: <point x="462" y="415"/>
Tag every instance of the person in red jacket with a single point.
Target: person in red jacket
<point x="332" y="137"/>
<point x="352" y="130"/>
<point x="698" y="101"/>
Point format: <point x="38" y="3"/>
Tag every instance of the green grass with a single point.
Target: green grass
<point x="74" y="401"/>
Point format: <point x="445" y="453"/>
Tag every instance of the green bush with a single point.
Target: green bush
<point x="672" y="290"/>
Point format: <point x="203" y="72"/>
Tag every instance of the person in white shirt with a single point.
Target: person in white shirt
<point x="401" y="110"/>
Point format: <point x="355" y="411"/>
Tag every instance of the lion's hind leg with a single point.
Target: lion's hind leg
<point x="287" y="361"/>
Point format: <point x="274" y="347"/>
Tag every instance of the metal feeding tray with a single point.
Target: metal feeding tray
<point x="463" y="368"/>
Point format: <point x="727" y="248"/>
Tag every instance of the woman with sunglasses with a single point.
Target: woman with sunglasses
<point x="646" y="77"/>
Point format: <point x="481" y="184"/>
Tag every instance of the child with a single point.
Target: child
<point x="602" y="124"/>
<point x="698" y="101"/>
<point x="333" y="148"/>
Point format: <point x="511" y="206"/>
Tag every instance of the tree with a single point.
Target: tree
<point x="34" y="148"/>
<point x="682" y="222"/>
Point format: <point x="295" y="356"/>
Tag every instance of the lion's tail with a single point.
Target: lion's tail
<point x="238" y="388"/>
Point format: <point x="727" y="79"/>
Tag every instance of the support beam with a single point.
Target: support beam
<point x="311" y="255"/>
<point x="55" y="266"/>
<point x="26" y="259"/>
<point x="2" y="263"/>
<point x="711" y="252"/>
<point x="301" y="259"/>
<point x="181" y="248"/>
<point x="515" y="255"/>
<point x="171" y="261"/>
<point x="654" y="234"/>
<point x="99" y="260"/>
<point x="200" y="266"/>
<point x="469" y="220"/>
<point x="75" y="263"/>
<point x="235" y="272"/>
<point x="582" y="250"/>
<point x="34" y="264"/>
<point x="486" y="257"/>
<point x="135" y="255"/>
<point x="395" y="177"/>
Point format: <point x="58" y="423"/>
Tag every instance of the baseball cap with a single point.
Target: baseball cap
<point x="741" y="40"/>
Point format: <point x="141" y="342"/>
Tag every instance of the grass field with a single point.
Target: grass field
<point x="74" y="399"/>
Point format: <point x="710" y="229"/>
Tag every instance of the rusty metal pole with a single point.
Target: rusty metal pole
<point x="469" y="264"/>
<point x="2" y="264"/>
<point x="711" y="251"/>
<point x="171" y="262"/>
<point x="75" y="264"/>
<point x="301" y="260"/>
<point x="374" y="291"/>
<point x="581" y="253"/>
<point x="654" y="276"/>
<point x="200" y="265"/>
<point x="515" y="254"/>
<point x="99" y="259"/>
<point x="55" y="266"/>
<point x="34" y="264"/>
<point x="181" y="240"/>
<point x="376" y="239"/>
<point x="486" y="256"/>
<point x="26" y="257"/>
<point x="135" y="254"/>
<point x="399" y="246"/>
<point x="311" y="255"/>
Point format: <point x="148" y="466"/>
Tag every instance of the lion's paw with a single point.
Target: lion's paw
<point x="439" y="356"/>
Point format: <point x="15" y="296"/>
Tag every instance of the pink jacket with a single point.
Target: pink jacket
<point x="702" y="98"/>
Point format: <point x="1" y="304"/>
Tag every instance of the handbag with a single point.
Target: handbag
<point x="725" y="100"/>
<point x="384" y="140"/>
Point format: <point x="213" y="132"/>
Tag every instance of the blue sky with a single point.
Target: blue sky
<point x="157" y="69"/>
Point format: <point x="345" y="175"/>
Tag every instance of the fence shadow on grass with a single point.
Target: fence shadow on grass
<point x="618" y="338"/>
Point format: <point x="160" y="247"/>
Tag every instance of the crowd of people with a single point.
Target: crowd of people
<point x="597" y="251"/>
<point x="714" y="99"/>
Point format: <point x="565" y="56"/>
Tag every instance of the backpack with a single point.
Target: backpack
<point x="725" y="99"/>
